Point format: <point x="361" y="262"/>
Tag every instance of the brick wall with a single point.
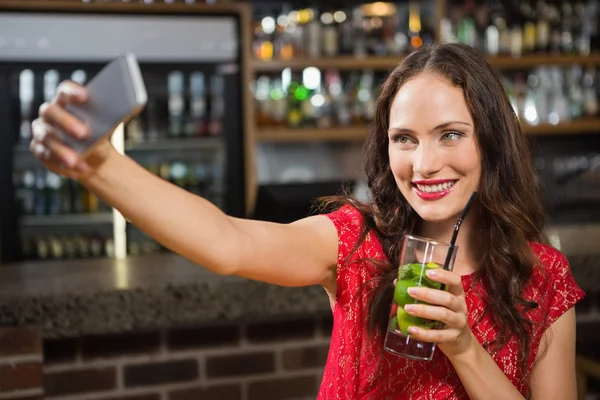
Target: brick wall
<point x="263" y="360"/>
<point x="280" y="360"/>
<point x="20" y="364"/>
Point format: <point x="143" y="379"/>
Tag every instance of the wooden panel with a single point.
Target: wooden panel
<point x="357" y="133"/>
<point x="389" y="63"/>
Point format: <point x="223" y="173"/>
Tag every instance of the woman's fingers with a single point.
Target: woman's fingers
<point x="436" y="313"/>
<point x="452" y="280"/>
<point x="54" y="114"/>
<point x="39" y="150"/>
<point x="46" y="142"/>
<point x="64" y="153"/>
<point x="70" y="92"/>
<point x="438" y="297"/>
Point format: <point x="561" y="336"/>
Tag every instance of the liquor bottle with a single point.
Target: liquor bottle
<point x="83" y="246"/>
<point x="277" y="103"/>
<point x="283" y="46"/>
<point x="96" y="247"/>
<point x="580" y="30"/>
<point x="155" y="114"/>
<point x="330" y="43"/>
<point x="296" y="94"/>
<point x="324" y="102"/>
<point x="261" y="98"/>
<point x="176" y="103"/>
<point x="366" y="95"/>
<point x="516" y="34"/>
<point x="56" y="248"/>
<point x="492" y="32"/>
<point x="178" y="172"/>
<point x="65" y="193"/>
<point x="70" y="247"/>
<point x="358" y="33"/>
<point x="542" y="29"/>
<point x="196" y="125"/>
<point x="41" y="202"/>
<point x="79" y="76"/>
<point x="109" y="247"/>
<point x="567" y="45"/>
<point x="51" y="80"/>
<point x="313" y="35"/>
<point x="190" y="183"/>
<point x="53" y="189"/>
<point x="26" y="193"/>
<point x="42" y="249"/>
<point x="529" y="28"/>
<point x="346" y="34"/>
<point x="590" y="99"/>
<point x="466" y="32"/>
<point x="311" y="80"/>
<point x="555" y="29"/>
<point x="164" y="172"/>
<point x="217" y="104"/>
<point x="26" y="89"/>
<point x="573" y="78"/>
<point x="76" y="196"/>
<point x="341" y="99"/>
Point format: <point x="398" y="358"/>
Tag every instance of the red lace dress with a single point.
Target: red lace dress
<point x="351" y="369"/>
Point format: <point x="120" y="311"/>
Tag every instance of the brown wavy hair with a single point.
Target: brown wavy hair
<point x="511" y="211"/>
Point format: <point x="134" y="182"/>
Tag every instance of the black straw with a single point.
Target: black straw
<point x="456" y="228"/>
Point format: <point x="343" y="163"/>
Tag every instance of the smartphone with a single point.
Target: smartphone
<point x="115" y="95"/>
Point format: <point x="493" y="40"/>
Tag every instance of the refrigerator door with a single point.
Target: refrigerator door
<point x="190" y="133"/>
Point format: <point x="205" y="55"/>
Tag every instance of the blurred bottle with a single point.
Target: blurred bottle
<point x="26" y="92"/>
<point x="176" y="103"/>
<point x="217" y="105"/>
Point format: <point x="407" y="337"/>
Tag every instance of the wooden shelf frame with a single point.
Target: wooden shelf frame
<point x="388" y="63"/>
<point x="358" y="133"/>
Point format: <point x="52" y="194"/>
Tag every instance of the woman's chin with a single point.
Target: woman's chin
<point x="435" y="216"/>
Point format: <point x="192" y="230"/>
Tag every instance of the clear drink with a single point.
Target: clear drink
<point x="418" y="255"/>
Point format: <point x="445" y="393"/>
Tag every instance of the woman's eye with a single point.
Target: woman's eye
<point x="451" y="136"/>
<point x="401" y="139"/>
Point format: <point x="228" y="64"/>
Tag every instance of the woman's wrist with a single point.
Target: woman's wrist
<point x="469" y="355"/>
<point x="98" y="165"/>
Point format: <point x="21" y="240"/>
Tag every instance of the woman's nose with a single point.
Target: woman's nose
<point x="426" y="161"/>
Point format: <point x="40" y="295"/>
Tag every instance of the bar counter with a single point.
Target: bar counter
<point x="101" y="296"/>
<point x="83" y="297"/>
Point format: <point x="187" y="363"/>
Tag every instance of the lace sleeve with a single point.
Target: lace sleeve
<point x="564" y="292"/>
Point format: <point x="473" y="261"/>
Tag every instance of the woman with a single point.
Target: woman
<point x="444" y="123"/>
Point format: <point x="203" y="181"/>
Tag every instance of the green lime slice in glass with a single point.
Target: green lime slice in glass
<point x="405" y="320"/>
<point x="401" y="296"/>
<point x="393" y="324"/>
<point x="417" y="269"/>
<point x="405" y="272"/>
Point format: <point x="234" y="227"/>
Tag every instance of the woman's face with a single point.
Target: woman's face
<point x="432" y="148"/>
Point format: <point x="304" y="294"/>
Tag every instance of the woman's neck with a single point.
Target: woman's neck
<point x="465" y="262"/>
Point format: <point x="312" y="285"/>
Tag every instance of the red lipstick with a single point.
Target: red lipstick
<point x="432" y="195"/>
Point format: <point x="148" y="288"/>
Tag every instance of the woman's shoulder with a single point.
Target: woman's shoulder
<point x="346" y="216"/>
<point x="551" y="261"/>
<point x="554" y="281"/>
<point x="350" y="225"/>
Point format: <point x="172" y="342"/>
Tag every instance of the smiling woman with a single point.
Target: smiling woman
<point x="445" y="128"/>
